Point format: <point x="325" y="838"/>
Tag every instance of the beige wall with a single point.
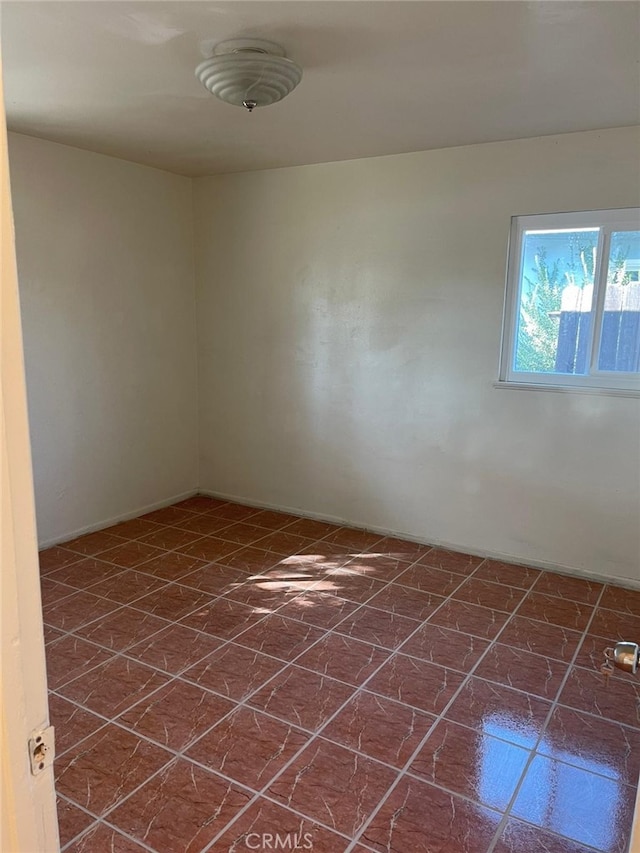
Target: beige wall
<point x="105" y="264"/>
<point x="349" y="319"/>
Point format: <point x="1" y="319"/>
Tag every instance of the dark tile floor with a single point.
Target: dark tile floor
<point x="225" y="678"/>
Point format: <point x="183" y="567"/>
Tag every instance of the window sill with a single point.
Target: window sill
<point x="570" y="389"/>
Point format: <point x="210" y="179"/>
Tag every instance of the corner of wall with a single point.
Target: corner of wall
<point x="194" y="281"/>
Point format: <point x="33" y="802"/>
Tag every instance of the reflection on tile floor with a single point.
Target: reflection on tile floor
<point x="225" y="678"/>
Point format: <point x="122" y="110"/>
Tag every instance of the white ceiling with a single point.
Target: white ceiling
<point x="379" y="77"/>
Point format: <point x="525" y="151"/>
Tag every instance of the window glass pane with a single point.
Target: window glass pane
<point x="620" y="333"/>
<point x="555" y="300"/>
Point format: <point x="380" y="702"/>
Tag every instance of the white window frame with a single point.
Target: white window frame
<point x="596" y="380"/>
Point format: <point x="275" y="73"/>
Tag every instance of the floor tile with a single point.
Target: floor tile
<point x="51" y="634"/>
<point x="282" y="638"/>
<point x="71" y="821"/>
<point x="500" y="712"/>
<point x="52" y="592"/>
<point x="557" y="611"/>
<point x="442" y="822"/>
<point x="214" y="579"/>
<point x="402" y="549"/>
<point x="522" y="670"/>
<point x="267" y="593"/>
<point x="130" y="554"/>
<point x="104" y="839"/>
<point x="55" y="558"/>
<point x="169" y="538"/>
<point x="72" y="724"/>
<point x="541" y="638"/>
<point x="470" y="762"/>
<point x="615" y="626"/>
<point x="349" y="585"/>
<point x="565" y="586"/>
<point x="310" y="528"/>
<point x="380" y="728"/>
<point x="508" y="573"/>
<point x="73" y="611"/>
<point x="235" y="512"/>
<point x="344" y="658"/>
<point x="322" y="609"/>
<point x="354" y="539"/>
<point x="618" y="700"/>
<point x="290" y="615"/>
<point x="122" y="629"/>
<point x="92" y="544"/>
<point x="107" y="766"/>
<point x="283" y="543"/>
<point x="234" y="671"/>
<point x="403" y="601"/>
<point x="427" y="579"/>
<point x="200" y="503"/>
<point x="379" y="627"/>
<point x="302" y="697"/>
<point x="86" y="573"/>
<point x="593" y="744"/>
<point x="127" y="586"/>
<point x="584" y="807"/>
<point x="622" y="600"/>
<point x="329" y="554"/>
<point x="224" y="618"/>
<point x="176" y="715"/>
<point x="470" y="619"/>
<point x="181" y="809"/>
<point x="174" y="648"/>
<point x="264" y="824"/>
<point x="173" y="601"/>
<point x="168" y="515"/>
<point x="450" y="561"/>
<point x="518" y="837"/>
<point x="445" y="647"/>
<point x="171" y="566"/>
<point x="251" y="559"/>
<point x="314" y="566"/>
<point x="210" y="548"/>
<point x="113" y="686"/>
<point x="274" y="520"/>
<point x="417" y="683"/>
<point x="243" y="533"/>
<point x="69" y="657"/>
<point x="487" y="594"/>
<point x="248" y="746"/>
<point x="133" y="528"/>
<point x="205" y="525"/>
<point x="356" y="786"/>
<point x="380" y="567"/>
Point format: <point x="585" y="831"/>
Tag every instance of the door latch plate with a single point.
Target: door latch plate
<point x="42" y="750"/>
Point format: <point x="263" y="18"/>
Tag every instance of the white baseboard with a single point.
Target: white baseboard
<point x="125" y="516"/>
<point x="438" y="543"/>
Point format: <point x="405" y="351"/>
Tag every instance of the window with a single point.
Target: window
<point x="572" y="308"/>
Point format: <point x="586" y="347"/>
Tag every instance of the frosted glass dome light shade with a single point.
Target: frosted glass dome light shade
<point x="249" y="73"/>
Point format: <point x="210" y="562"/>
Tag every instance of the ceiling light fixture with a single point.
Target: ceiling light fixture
<point x="249" y="73"/>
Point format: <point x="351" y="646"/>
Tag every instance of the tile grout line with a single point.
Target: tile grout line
<point x="180" y="622"/>
<point x="97" y="822"/>
<point x="403" y="772"/>
<point x="534" y="752"/>
<point x="293" y="662"/>
<point x="318" y="735"/>
<point x="326" y="632"/>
